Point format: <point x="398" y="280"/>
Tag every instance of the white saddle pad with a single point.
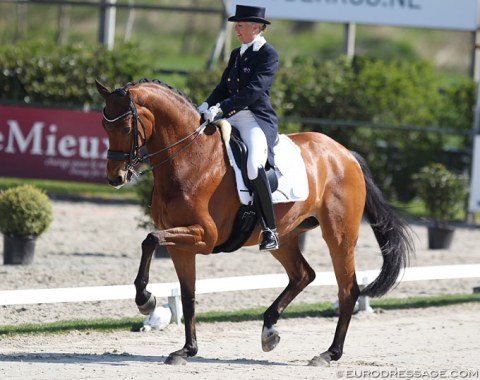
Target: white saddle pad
<point x="289" y="167"/>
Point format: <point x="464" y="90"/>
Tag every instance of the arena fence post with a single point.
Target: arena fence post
<point x="176" y="306"/>
<point x="363" y="301"/>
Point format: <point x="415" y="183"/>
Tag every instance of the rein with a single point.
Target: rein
<point x="134" y="158"/>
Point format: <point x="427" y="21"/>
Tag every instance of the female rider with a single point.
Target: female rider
<point x="243" y="96"/>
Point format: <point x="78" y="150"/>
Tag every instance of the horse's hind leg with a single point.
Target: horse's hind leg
<point x="300" y="274"/>
<point x="341" y="239"/>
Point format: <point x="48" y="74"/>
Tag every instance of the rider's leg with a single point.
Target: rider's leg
<point x="263" y="200"/>
<point x="256" y="142"/>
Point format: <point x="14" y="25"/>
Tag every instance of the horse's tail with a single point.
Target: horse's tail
<point x="392" y="234"/>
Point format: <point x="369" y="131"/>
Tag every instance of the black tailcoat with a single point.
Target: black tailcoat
<point x="246" y="83"/>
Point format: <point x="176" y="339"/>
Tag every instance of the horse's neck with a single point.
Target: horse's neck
<point x="174" y="120"/>
<point x="188" y="163"/>
<point x="195" y="171"/>
<point x="188" y="149"/>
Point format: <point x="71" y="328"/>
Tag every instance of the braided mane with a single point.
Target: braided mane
<point x="160" y="83"/>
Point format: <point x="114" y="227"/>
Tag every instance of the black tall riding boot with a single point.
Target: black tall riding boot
<point x="263" y="201"/>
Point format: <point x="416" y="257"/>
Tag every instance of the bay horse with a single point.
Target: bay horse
<point x="194" y="202"/>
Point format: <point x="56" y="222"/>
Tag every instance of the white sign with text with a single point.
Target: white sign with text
<point x="434" y="14"/>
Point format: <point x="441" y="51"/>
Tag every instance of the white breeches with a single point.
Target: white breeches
<point x="254" y="138"/>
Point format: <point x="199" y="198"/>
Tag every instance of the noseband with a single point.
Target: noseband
<point x="135" y="156"/>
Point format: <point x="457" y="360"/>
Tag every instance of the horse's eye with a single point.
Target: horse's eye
<point x="126" y="130"/>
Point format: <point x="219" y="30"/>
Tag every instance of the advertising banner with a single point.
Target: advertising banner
<point x="474" y="204"/>
<point x="435" y="14"/>
<point x="52" y="144"/>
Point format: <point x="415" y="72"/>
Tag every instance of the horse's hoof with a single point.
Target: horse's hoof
<point x="270" y="339"/>
<point x="320" y="361"/>
<point x="175" y="360"/>
<point x="148" y="307"/>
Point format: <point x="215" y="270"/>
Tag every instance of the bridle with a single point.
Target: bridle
<point x="135" y="155"/>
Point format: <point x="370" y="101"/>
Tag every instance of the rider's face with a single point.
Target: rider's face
<point x="246" y="31"/>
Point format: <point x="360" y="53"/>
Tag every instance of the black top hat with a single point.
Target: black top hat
<point x="246" y="13"/>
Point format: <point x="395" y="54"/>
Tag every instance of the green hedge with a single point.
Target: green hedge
<point x="65" y="75"/>
<point x="382" y="92"/>
<point x="361" y="90"/>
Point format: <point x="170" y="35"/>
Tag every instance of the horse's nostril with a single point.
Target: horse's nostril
<point x="118" y="180"/>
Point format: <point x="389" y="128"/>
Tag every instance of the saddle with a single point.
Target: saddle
<point x="247" y="216"/>
<point x="240" y="154"/>
<point x="288" y="181"/>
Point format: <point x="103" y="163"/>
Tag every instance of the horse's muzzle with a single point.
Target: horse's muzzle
<point x="121" y="179"/>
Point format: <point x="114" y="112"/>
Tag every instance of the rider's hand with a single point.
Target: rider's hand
<point x="210" y="114"/>
<point x="202" y="107"/>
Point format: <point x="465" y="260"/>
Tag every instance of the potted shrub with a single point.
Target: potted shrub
<point x="25" y="213"/>
<point x="443" y="194"/>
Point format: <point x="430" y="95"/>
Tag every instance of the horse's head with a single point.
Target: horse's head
<point x="127" y="130"/>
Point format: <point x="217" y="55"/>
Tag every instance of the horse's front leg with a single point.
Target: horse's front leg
<point x="185" y="267"/>
<point x="184" y="243"/>
<point x="181" y="237"/>
<point x="145" y="301"/>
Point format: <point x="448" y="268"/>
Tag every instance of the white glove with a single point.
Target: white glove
<point x="202" y="107"/>
<point x="210" y="114"/>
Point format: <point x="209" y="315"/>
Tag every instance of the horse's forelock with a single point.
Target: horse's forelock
<point x="118" y="103"/>
<point x="120" y="92"/>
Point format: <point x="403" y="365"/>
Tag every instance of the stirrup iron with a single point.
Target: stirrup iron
<point x="269" y="240"/>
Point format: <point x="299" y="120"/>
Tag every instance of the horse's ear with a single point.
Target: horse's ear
<point x="102" y="90"/>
